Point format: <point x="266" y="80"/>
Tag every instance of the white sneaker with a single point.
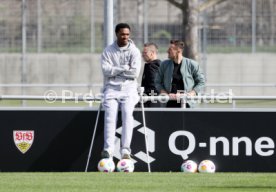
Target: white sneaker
<point x="126" y="156"/>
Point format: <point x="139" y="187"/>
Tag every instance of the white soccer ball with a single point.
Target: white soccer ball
<point x="189" y="166"/>
<point x="206" y="166"/>
<point x="125" y="165"/>
<point x="106" y="165"/>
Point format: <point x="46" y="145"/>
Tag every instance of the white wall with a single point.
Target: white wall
<point x="85" y="69"/>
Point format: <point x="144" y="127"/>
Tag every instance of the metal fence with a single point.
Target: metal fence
<point x="76" y="26"/>
<point x="241" y="26"/>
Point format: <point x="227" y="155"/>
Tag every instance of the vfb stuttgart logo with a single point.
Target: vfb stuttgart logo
<point x="140" y="154"/>
<point x="23" y="139"/>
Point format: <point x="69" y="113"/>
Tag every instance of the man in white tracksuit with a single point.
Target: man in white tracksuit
<point x="121" y="63"/>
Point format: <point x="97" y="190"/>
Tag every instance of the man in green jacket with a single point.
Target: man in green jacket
<point x="178" y="75"/>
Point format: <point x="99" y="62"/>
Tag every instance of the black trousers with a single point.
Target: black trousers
<point x="175" y="104"/>
<point x="149" y="104"/>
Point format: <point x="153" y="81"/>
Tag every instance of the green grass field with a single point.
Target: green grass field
<point x="121" y="182"/>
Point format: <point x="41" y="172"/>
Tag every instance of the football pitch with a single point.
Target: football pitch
<point x="111" y="182"/>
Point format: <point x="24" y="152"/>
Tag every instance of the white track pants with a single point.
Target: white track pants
<point x="126" y="101"/>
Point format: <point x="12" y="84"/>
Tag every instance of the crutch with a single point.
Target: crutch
<point x="144" y="125"/>
<point x="93" y="137"/>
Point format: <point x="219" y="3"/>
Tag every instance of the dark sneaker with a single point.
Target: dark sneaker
<point x="105" y="155"/>
<point x="126" y="156"/>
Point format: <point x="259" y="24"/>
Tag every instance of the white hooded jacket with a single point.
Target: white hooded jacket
<point x="121" y="65"/>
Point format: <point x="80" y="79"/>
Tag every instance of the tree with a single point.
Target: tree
<point x="190" y="10"/>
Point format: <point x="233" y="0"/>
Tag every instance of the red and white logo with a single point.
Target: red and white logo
<point x="23" y="139"/>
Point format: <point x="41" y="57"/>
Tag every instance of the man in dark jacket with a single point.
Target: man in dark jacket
<point x="151" y="67"/>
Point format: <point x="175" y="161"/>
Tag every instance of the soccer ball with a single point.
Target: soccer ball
<point x="125" y="165"/>
<point x="206" y="166"/>
<point x="189" y="166"/>
<point x="106" y="165"/>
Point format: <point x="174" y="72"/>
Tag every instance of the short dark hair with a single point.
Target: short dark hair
<point x="121" y="26"/>
<point x="178" y="43"/>
<point x="151" y="44"/>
